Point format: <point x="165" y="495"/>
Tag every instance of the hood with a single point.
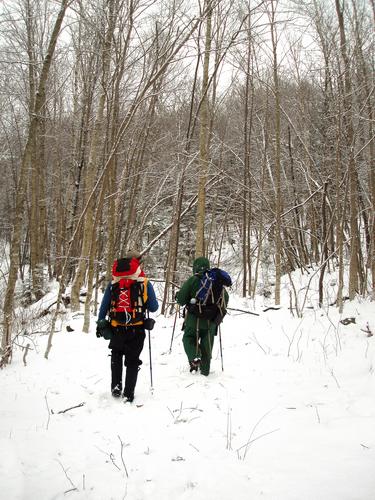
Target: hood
<point x="200" y="264"/>
<point x="127" y="268"/>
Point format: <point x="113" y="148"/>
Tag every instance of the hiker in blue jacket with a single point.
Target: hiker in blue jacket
<point x="125" y="302"/>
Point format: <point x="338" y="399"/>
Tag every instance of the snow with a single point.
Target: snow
<point x="291" y="417"/>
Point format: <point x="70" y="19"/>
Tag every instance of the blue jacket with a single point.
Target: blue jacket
<point x="151" y="303"/>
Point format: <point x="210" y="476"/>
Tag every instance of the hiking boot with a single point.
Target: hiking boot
<point x="128" y="397"/>
<point x="116" y="392"/>
<point x="194" y="365"/>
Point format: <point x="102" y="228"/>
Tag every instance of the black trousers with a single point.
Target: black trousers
<point x="127" y="342"/>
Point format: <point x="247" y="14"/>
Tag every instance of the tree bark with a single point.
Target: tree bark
<point x="349" y="134"/>
<point x="92" y="167"/>
<point x="203" y="139"/>
<point x="277" y="156"/>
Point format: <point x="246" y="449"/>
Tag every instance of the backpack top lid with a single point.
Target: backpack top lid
<point x="220" y="276"/>
<point x="127" y="268"/>
<point x="211" y="285"/>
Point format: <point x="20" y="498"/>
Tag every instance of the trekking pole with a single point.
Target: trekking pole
<point x="149" y="350"/>
<point x="221" y="349"/>
<point x="174" y="327"/>
<point x="197" y="340"/>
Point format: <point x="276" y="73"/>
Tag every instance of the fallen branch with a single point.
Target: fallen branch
<point x="242" y="310"/>
<point x="46" y="310"/>
<point x="65" y="300"/>
<point x="343" y="299"/>
<point x="347" y="321"/>
<point x="67" y="409"/>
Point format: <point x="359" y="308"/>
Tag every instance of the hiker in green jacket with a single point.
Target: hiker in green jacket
<point x="199" y="332"/>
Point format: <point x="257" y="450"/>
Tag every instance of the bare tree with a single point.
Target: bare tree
<point x="349" y="135"/>
<point x="204" y="136"/>
<point x="277" y="152"/>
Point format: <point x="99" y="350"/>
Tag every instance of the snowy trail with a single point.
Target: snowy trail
<point x="291" y="417"/>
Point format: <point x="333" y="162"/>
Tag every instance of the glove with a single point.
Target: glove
<point x="149" y="324"/>
<point x="104" y="329"/>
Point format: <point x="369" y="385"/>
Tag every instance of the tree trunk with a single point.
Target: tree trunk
<point x="246" y="208"/>
<point x="324" y="244"/>
<point x="92" y="167"/>
<point x="91" y="266"/>
<point x="368" y="97"/>
<point x="203" y="139"/>
<point x="278" y="242"/>
<point x="349" y="134"/>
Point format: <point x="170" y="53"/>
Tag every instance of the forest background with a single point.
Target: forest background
<point x="183" y="128"/>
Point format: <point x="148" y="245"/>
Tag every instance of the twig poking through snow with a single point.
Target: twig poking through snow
<point x="112" y="458"/>
<point x="335" y="379"/>
<point x="195" y="448"/>
<point x="291" y="339"/>
<point x="229" y="429"/>
<point x="368" y="331"/>
<point x="250" y="440"/>
<point x="259" y="344"/>
<point x="49" y="411"/>
<point x="122" y="457"/>
<point x="74" y="487"/>
<point x="317" y="413"/>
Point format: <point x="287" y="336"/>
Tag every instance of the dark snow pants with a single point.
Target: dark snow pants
<point x="127" y="342"/>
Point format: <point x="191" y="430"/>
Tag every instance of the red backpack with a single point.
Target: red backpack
<point x="128" y="293"/>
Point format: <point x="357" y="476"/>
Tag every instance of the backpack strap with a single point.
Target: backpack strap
<point x="142" y="297"/>
<point x="206" y="284"/>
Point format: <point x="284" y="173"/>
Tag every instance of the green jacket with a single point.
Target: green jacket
<point x="189" y="290"/>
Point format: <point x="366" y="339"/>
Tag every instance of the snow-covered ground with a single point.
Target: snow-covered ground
<point x="291" y="416"/>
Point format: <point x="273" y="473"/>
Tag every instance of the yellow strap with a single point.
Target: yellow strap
<point x="117" y="323"/>
<point x="145" y="296"/>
